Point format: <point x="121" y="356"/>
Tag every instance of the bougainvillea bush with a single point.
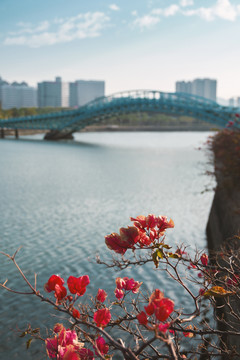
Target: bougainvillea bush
<point x="128" y="322"/>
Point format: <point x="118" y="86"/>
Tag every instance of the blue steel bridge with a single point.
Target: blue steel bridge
<point x="63" y="124"/>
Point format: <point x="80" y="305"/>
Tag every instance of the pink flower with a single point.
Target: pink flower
<point x="120" y="283"/>
<point x="131" y="284"/>
<point x="101" y="295"/>
<point x="64" y="345"/>
<point x="142" y="318"/>
<point x="78" y="285"/>
<point x="119" y="293"/>
<point x="102" y="347"/>
<point x="71" y="353"/>
<point x="102" y="317"/>
<point x="128" y="284"/>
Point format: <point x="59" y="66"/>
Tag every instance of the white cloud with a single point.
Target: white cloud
<point x="81" y="26"/>
<point x="146" y="21"/>
<point x="114" y="7"/>
<point x="171" y="10"/>
<point x="184" y="3"/>
<point x="222" y="9"/>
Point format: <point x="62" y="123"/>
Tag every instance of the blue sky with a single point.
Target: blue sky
<point x="131" y="44"/>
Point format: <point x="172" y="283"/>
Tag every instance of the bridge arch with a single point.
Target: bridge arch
<point x="176" y="104"/>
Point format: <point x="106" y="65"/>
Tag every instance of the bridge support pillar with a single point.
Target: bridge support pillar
<point x="58" y="135"/>
<point x="2" y="134"/>
<point x="16" y="134"/>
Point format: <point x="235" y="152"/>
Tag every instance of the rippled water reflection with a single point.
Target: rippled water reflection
<point x="58" y="200"/>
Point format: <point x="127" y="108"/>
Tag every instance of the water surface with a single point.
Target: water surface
<point x="59" y="200"/>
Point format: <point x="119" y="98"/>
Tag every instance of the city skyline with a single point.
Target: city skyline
<point x="128" y="45"/>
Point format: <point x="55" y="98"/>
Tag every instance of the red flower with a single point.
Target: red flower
<point x="102" y="317"/>
<point x="142" y="318"/>
<point x="52" y="282"/>
<point x="201" y="291"/>
<point x="78" y="285"/>
<point x="144" y="239"/>
<point x="164" y="224"/>
<point x="156" y="295"/>
<point x="163" y="308"/>
<point x="101" y="295"/>
<point x="86" y="354"/>
<point x="60" y="292"/>
<point x="140" y="221"/>
<point x="151" y="221"/>
<point x="101" y="346"/>
<point x="163" y="327"/>
<point x="204" y="259"/>
<point x="150" y="309"/>
<point x="126" y="240"/>
<point x="75" y="313"/>
<point x="70" y="354"/>
<point x="128" y="284"/>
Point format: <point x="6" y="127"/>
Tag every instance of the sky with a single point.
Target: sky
<point x="131" y="44"/>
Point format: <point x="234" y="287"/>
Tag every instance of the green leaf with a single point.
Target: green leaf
<point x="174" y="255"/>
<point x="165" y="246"/>
<point x="159" y="253"/>
<point x="155" y="258"/>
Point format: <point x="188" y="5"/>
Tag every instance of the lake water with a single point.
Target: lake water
<point x="59" y="200"/>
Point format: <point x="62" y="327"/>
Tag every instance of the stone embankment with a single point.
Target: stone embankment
<point x="223" y="225"/>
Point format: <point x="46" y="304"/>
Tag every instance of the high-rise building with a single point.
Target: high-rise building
<point x="184" y="86"/>
<point x="238" y="102"/>
<point x="18" y="95"/>
<point x="82" y="92"/>
<point x="201" y="87"/>
<point x="53" y="93"/>
<point x="2" y="82"/>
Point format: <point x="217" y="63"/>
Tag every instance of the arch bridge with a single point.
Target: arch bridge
<point x="63" y="124"/>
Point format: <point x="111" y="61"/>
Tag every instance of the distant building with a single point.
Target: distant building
<point x="184" y="86"/>
<point x="238" y="101"/>
<point x="201" y="87"/>
<point x="81" y="92"/>
<point x="18" y="95"/>
<point x="53" y="93"/>
<point x="2" y="83"/>
<point x="231" y="101"/>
